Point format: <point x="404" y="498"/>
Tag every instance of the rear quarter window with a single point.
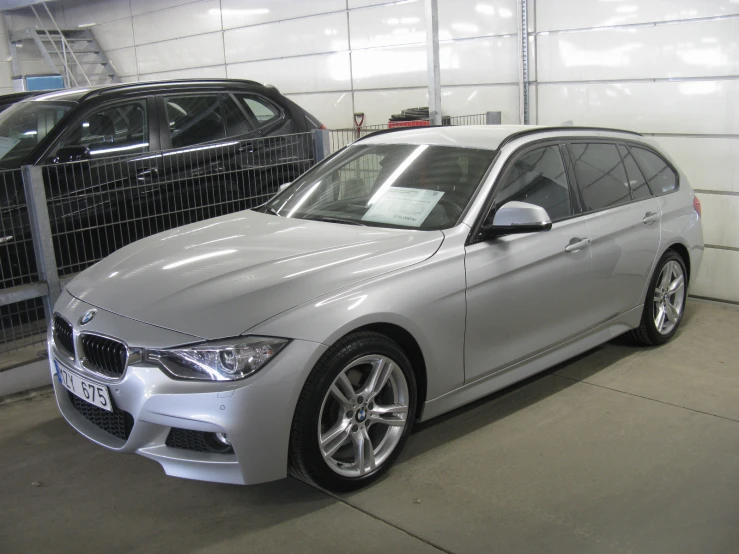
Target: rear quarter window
<point x="658" y="173"/>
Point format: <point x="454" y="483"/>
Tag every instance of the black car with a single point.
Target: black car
<point x="124" y="161"/>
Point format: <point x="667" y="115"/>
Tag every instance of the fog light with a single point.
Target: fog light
<point x="223" y="439"/>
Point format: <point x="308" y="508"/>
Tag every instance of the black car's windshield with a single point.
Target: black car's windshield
<point x="24" y="125"/>
<point x="388" y="185"/>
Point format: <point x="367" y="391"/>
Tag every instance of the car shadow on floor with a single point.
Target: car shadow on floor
<point x="520" y="396"/>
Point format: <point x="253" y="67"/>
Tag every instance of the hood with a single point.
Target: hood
<point x="222" y="276"/>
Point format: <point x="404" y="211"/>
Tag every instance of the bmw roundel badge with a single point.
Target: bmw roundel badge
<point x="87" y="317"/>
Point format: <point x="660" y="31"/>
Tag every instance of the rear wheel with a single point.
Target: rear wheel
<point x="665" y="302"/>
<point x="354" y="414"/>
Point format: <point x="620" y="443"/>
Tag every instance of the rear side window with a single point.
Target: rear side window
<point x="194" y="119"/>
<point x="236" y="123"/>
<point x="538" y="177"/>
<point x="600" y="175"/>
<point x="637" y="182"/>
<point x="262" y="110"/>
<point x="660" y="176"/>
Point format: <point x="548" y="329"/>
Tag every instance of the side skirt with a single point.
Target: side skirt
<point x="531" y="366"/>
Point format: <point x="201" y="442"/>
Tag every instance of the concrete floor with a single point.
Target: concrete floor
<point x="624" y="449"/>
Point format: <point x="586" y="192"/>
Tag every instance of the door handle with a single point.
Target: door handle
<point x="577" y="244"/>
<point x="650" y="217"/>
<point x="145" y="174"/>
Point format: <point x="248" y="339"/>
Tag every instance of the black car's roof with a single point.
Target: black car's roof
<point x="16" y="96"/>
<point x="152" y="87"/>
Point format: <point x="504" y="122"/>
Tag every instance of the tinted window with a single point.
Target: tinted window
<point x="263" y="111"/>
<point x="388" y="185"/>
<point x="538" y="177"/>
<point x="600" y="175"/>
<point x="113" y="130"/>
<point x="637" y="183"/>
<point x="23" y="125"/>
<point x="236" y="123"/>
<point x="194" y="119"/>
<point x="659" y="175"/>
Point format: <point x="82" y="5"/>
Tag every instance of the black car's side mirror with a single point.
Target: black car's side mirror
<point x="68" y="154"/>
<point x="515" y="218"/>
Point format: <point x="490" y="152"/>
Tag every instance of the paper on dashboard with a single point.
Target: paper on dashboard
<point x="403" y="206"/>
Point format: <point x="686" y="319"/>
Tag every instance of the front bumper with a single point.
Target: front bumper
<point x="256" y="412"/>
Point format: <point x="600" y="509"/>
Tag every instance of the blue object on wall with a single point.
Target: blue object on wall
<point x="38" y="82"/>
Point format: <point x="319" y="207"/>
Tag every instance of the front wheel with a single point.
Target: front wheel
<point x="665" y="302"/>
<point x="354" y="413"/>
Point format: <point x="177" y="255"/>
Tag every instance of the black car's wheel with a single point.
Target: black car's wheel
<point x="354" y="413"/>
<point x="665" y="302"/>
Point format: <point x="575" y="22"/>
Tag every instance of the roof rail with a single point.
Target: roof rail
<point x="512" y="136"/>
<point x="533" y="130"/>
<point x="144" y="84"/>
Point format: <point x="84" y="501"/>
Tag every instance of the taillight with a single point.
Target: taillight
<point x="322" y="126"/>
<point x="697" y="206"/>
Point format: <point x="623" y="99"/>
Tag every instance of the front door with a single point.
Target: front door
<point x="525" y="292"/>
<point x="94" y="200"/>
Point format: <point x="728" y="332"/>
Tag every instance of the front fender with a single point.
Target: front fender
<point x="426" y="299"/>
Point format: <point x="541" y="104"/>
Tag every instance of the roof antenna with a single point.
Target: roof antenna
<point x="567" y="123"/>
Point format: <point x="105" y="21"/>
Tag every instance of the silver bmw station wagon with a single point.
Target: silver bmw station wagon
<point x="407" y="275"/>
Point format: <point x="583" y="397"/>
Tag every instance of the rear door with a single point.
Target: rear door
<point x="624" y="223"/>
<point x="204" y="133"/>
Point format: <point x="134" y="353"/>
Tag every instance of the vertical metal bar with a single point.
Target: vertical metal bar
<point x="321" y="144"/>
<point x="492" y="118"/>
<point x="523" y="71"/>
<point x="43" y="243"/>
<point x="432" y="61"/>
<point x="14" y="63"/>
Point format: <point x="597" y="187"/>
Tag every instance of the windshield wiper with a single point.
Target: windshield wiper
<point x="267" y="210"/>
<point x="331" y="219"/>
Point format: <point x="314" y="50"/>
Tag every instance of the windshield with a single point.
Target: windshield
<point x="388" y="185"/>
<point x="24" y="125"/>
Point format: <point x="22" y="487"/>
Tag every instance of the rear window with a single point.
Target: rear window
<point x="659" y="174"/>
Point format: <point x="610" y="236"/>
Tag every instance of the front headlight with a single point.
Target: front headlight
<point x="223" y="360"/>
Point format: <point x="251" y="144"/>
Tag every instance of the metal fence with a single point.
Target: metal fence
<point x="92" y="208"/>
<point x="339" y="138"/>
<point x="58" y="219"/>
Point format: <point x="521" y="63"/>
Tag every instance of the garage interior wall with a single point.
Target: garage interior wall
<point x="664" y="67"/>
<point x="669" y="68"/>
<point x="334" y="57"/>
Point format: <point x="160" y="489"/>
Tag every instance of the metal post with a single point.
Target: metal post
<point x="492" y="118"/>
<point x="432" y="61"/>
<point x="321" y="144"/>
<point x="43" y="244"/>
<point x="523" y="52"/>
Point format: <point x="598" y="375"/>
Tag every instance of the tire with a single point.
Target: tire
<point x="333" y="463"/>
<point x="648" y="333"/>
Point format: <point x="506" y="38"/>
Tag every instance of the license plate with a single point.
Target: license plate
<point x="95" y="394"/>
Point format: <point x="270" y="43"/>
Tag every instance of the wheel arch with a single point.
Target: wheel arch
<point x="411" y="347"/>
<point x="683" y="252"/>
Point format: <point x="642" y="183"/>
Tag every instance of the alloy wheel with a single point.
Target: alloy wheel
<point x="363" y="415"/>
<point x="669" y="297"/>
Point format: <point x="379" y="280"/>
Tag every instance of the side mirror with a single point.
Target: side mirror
<point x="68" y="154"/>
<point x="516" y="218"/>
<point x="283" y="186"/>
